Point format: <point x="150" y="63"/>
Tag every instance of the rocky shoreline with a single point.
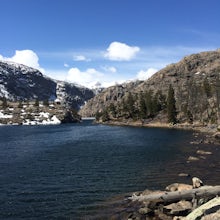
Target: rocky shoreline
<point x="179" y="201"/>
<point x="211" y="133"/>
<point x="205" y="141"/>
<point x="36" y="113"/>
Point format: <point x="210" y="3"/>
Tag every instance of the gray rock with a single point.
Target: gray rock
<point x="179" y="208"/>
<point x="194" y="80"/>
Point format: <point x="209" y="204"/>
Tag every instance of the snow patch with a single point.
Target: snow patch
<point x="47" y="121"/>
<point x="53" y="121"/>
<point x="2" y="115"/>
<point x="4" y="92"/>
<point x="44" y="114"/>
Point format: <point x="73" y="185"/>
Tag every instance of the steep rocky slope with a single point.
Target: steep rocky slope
<point x="19" y="82"/>
<point x="113" y="94"/>
<point x="196" y="85"/>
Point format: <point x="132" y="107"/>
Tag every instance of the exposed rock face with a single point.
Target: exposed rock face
<point x="113" y="94"/>
<point x="196" y="84"/>
<point x="19" y="82"/>
<point x="195" y="80"/>
<point x="71" y="95"/>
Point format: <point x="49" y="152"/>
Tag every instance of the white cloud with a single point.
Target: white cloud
<point x="25" y="57"/>
<point x="80" y="58"/>
<point x="121" y="52"/>
<point x="92" y="78"/>
<point x="143" y="75"/>
<point x="56" y="74"/>
<point x="110" y="69"/>
<point x="85" y="78"/>
<point x="66" y="65"/>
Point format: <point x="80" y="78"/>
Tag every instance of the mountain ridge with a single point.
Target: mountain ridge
<point x="196" y="85"/>
<point x="21" y="83"/>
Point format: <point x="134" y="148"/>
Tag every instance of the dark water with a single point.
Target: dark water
<point x="67" y="171"/>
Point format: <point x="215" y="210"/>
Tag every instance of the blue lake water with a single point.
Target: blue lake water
<point x="66" y="171"/>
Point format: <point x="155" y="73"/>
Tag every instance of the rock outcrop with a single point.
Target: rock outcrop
<point x="185" y="203"/>
<point x="195" y="81"/>
<point x="102" y="100"/>
<point x="35" y="113"/>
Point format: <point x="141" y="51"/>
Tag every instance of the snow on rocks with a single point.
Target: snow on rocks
<point x="2" y="115"/>
<point x="18" y="113"/>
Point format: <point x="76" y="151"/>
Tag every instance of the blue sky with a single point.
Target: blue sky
<point x="105" y="41"/>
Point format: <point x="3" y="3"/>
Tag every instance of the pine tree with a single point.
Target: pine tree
<point x="207" y="88"/>
<point x="112" y="110"/>
<point x="171" y="106"/>
<point x="4" y="103"/>
<point x="149" y="103"/>
<point x="128" y="106"/>
<point x="46" y="102"/>
<point x="36" y="104"/>
<point x="105" y="116"/>
<point x="142" y="107"/>
<point x="20" y="105"/>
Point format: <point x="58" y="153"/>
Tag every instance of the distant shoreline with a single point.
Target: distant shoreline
<point x="206" y="129"/>
<point x="210" y="133"/>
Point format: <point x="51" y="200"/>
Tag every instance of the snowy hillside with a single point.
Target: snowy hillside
<point x="19" y="82"/>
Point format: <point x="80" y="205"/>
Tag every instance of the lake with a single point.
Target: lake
<point x="67" y="171"/>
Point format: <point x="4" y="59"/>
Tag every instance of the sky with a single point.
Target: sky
<point x="103" y="42"/>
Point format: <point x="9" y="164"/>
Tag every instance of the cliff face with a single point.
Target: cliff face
<point x="195" y="81"/>
<point x="196" y="85"/>
<point x="113" y="94"/>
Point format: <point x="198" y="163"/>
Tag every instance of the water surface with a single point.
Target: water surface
<point x="67" y="171"/>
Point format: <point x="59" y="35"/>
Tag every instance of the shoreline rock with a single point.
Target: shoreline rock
<point x="176" y="203"/>
<point x="36" y="113"/>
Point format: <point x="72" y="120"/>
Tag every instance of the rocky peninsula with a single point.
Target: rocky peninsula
<point x="35" y="113"/>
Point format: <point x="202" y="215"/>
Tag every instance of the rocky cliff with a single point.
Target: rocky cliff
<point x="19" y="82"/>
<point x="195" y="83"/>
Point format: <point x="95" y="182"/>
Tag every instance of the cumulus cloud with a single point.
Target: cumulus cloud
<point x="66" y="65"/>
<point x="87" y="78"/>
<point x="80" y="58"/>
<point x="25" y="57"/>
<point x="121" y="52"/>
<point x="110" y="69"/>
<point x="143" y="75"/>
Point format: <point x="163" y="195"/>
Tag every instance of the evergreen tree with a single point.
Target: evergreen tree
<point x="112" y="110"/>
<point x="142" y="106"/>
<point x="4" y="103"/>
<point x="105" y="116"/>
<point x="20" y="105"/>
<point x="149" y="103"/>
<point x="161" y="99"/>
<point x="155" y="105"/>
<point x="207" y="88"/>
<point x="36" y="104"/>
<point x="130" y="105"/>
<point x="171" y="106"/>
<point x="46" y="102"/>
<point x="98" y="116"/>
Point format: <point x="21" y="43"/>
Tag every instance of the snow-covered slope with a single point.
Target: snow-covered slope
<point x="19" y="82"/>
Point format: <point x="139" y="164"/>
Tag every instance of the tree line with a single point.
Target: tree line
<point x="142" y="105"/>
